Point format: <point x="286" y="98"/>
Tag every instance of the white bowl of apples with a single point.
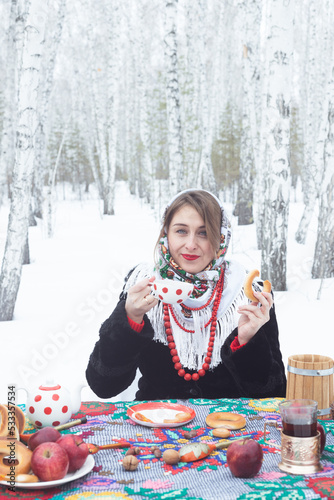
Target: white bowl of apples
<point x="54" y="459"/>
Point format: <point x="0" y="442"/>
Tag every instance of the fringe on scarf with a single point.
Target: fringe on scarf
<point x="191" y="347"/>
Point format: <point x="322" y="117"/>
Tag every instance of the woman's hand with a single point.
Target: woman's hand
<point x="253" y="316"/>
<point x="139" y="300"/>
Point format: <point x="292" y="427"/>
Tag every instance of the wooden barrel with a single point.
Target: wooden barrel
<point x="310" y="376"/>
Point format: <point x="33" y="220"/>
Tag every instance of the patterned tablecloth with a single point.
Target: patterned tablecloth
<point x="207" y="479"/>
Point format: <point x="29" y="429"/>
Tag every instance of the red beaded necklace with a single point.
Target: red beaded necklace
<point x="206" y="304"/>
<point x="213" y="320"/>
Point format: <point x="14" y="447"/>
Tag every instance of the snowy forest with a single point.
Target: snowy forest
<point x="233" y="96"/>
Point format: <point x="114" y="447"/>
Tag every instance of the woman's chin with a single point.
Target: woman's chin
<point x="192" y="267"/>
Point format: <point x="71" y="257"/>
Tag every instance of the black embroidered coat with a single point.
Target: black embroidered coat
<point x="255" y="370"/>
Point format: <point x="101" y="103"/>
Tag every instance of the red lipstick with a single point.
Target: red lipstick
<point x="190" y="257"/>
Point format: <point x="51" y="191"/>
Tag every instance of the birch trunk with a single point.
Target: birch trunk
<point x="249" y="139"/>
<point x="42" y="161"/>
<point x="145" y="174"/>
<point x="315" y="119"/>
<point x="112" y="106"/>
<point x="90" y="148"/>
<point x="323" y="264"/>
<point x="217" y="102"/>
<point x="130" y="149"/>
<point x="176" y="169"/>
<point x="129" y="141"/>
<point x="205" y="178"/>
<point x="24" y="159"/>
<point x="52" y="172"/>
<point x="99" y="104"/>
<point x="244" y="207"/>
<point x="88" y="137"/>
<point x="261" y="162"/>
<point x="277" y="178"/>
<point x="191" y="97"/>
<point x="10" y="98"/>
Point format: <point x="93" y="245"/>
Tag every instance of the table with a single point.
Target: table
<point x="207" y="479"/>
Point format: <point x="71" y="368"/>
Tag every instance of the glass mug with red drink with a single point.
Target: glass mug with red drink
<point x="300" y="439"/>
<point x="299" y="417"/>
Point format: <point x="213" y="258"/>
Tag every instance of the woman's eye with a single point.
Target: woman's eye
<point x="203" y="233"/>
<point x="181" y="231"/>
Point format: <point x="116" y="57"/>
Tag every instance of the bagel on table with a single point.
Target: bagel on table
<point x="221" y="432"/>
<point x="225" y="420"/>
<point x="22" y="478"/>
<point x="12" y="421"/>
<point x="248" y="289"/>
<point x="179" y="417"/>
<point x="14" y="449"/>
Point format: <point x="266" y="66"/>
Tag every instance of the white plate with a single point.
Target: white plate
<point x="157" y="413"/>
<point x="71" y="476"/>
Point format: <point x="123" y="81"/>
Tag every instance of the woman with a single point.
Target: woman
<point x="215" y="344"/>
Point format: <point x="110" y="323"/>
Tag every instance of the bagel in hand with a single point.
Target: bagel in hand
<point x="248" y="285"/>
<point x="14" y="449"/>
<point x="226" y="420"/>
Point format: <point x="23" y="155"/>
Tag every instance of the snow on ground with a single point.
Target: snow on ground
<point x="74" y="280"/>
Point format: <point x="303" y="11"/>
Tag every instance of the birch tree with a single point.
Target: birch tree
<point x="24" y="158"/>
<point x="277" y="116"/>
<point x="99" y="105"/>
<point x="13" y="55"/>
<point x="205" y="177"/>
<point x="323" y="264"/>
<point x="261" y="163"/>
<point x="104" y="66"/>
<point x="176" y="169"/>
<point x="191" y="96"/>
<point x="89" y="142"/>
<point x="315" y="118"/>
<point x="113" y="67"/>
<point x="250" y="75"/>
<point x="145" y="173"/>
<point x="217" y="96"/>
<point x="129" y="114"/>
<point x="244" y="206"/>
<point x="225" y="94"/>
<point x="42" y="161"/>
<point x="8" y="127"/>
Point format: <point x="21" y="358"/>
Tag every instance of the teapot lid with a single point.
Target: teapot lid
<point x="49" y="388"/>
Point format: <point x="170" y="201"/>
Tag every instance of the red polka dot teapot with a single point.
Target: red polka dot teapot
<point x="51" y="404"/>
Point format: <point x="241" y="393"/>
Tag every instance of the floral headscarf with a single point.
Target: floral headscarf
<point x="168" y="268"/>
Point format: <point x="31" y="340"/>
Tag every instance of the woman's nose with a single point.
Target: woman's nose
<point x="191" y="242"/>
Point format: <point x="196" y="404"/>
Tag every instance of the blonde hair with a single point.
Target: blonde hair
<point x="206" y="206"/>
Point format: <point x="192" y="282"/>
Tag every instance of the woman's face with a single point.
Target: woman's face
<point x="188" y="242"/>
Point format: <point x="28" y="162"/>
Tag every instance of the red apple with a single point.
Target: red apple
<point x="244" y="458"/>
<point x="46" y="434"/>
<point x="49" y="462"/>
<point x="322" y="437"/>
<point x="76" y="449"/>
